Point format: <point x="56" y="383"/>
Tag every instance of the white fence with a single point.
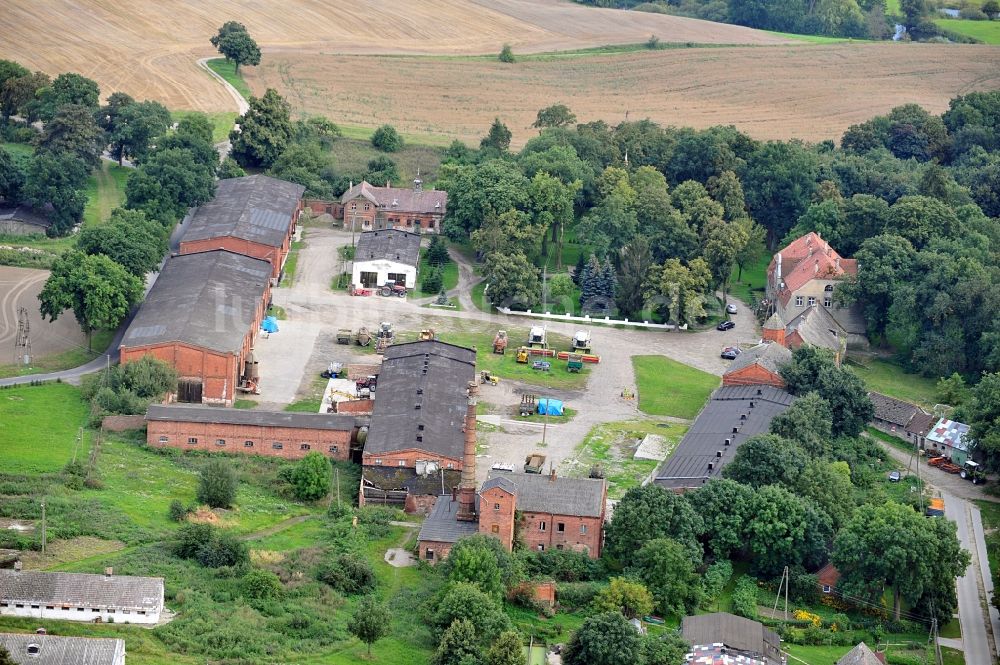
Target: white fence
<point x="607" y="320"/>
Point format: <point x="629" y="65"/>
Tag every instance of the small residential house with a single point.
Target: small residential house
<point x="415" y="448"/>
<point x="806" y="273"/>
<point x="80" y="597"/>
<point x="862" y="655"/>
<point x="919" y="427"/>
<point x="254" y="215"/>
<point x="385" y="256"/>
<point x="760" y="365"/>
<point x="893" y="416"/>
<point x="202" y="316"/>
<point x="35" y="649"/>
<point x="950" y="439"/>
<point x="250" y="431"/>
<point x="741" y="637"/>
<point x="366" y="207"/>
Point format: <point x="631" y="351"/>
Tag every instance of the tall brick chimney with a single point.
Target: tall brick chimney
<point x="467" y="488"/>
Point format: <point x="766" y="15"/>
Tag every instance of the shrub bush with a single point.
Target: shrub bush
<point x="210" y="547"/>
<point x="715" y="579"/>
<point x="177" y="511"/>
<point x="349" y="574"/>
<point x="561" y="565"/>
<point x="432" y="280"/>
<point x="387" y="139"/>
<point x="506" y="55"/>
<point x="260" y="585"/>
<point x="217" y="484"/>
<point x="311" y="477"/>
<point x="745" y="597"/>
<point x="577" y="595"/>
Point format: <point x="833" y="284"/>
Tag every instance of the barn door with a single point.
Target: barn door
<point x="189" y="390"/>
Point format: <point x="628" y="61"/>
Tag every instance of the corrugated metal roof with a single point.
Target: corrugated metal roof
<point x="257" y="208"/>
<point x="949" y="433"/>
<point x="82" y="590"/>
<point x="388" y="245"/>
<point x="442" y="525"/>
<point x="208" y="299"/>
<point x="733" y="631"/>
<point x="218" y="415"/>
<point x="56" y="650"/>
<point x="540" y="493"/>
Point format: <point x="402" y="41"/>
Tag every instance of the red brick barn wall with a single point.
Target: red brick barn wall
<point x="321" y="207"/>
<point x="579" y="533"/>
<point x="354" y="406"/>
<point x="409" y="459"/>
<point x="496" y="515"/>
<point x="217" y="371"/>
<point x="441" y="550"/>
<point x="409" y="221"/>
<point x="355" y="210"/>
<point x="295" y="442"/>
<point x="753" y="375"/>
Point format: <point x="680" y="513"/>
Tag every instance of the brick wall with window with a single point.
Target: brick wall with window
<point x="544" y="531"/>
<point x="286" y="442"/>
<point x="496" y="515"/>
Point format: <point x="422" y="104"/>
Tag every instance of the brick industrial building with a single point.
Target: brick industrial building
<point x="272" y="433"/>
<point x="254" y="216"/>
<point x="202" y="317"/>
<point x="365" y="207"/>
<point x="415" y="443"/>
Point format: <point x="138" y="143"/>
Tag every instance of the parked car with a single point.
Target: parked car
<point x="894" y="476"/>
<point x="730" y="308"/>
<point x="726" y="325"/>
<point x="542" y="365"/>
<point x="730" y="352"/>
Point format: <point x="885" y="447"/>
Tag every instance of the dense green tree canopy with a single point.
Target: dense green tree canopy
<point x="649" y="512"/>
<point x="603" y="639"/>
<point x="217" y="483"/>
<point x="370" y="622"/>
<point x="129" y="238"/>
<point x="67" y="89"/>
<point x="72" y="131"/>
<point x="264" y="133"/>
<point x="666" y="568"/>
<point x="311" y="477"/>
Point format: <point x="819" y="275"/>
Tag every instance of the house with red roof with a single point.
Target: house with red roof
<point x="806" y="274"/>
<point x="366" y="207"/>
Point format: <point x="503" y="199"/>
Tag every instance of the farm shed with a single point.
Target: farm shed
<point x="748" y="637"/>
<point x="950" y="438"/>
<point x="386" y="256"/>
<point x="202" y="316"/>
<point x="254" y="215"/>
<point x="33" y="649"/>
<point x="732" y="415"/>
<point x="271" y="433"/>
<point x="80" y="597"/>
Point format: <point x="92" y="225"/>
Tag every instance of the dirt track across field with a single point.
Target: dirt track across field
<point x="149" y="48"/>
<point x="804" y="91"/>
<point x="19" y="287"/>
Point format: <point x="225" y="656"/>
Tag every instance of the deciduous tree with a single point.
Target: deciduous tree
<point x="623" y="595"/>
<point x="311" y="477"/>
<point x="513" y="280"/>
<point x="264" y="133"/>
<point x="498" y="138"/>
<point x="217" y="484"/>
<point x="370" y="622"/>
<point x="68" y="89"/>
<point x="725" y="508"/>
<point x="649" y="512"/>
<point x="462" y="600"/>
<point x="785" y="530"/>
<point x="129" y="238"/>
<point x="459" y="645"/>
<point x="665" y="567"/>
<point x="507" y="649"/>
<point x="603" y="639"/>
<point x="72" y="131"/>
<point x="557" y="115"/>
<point x="235" y="43"/>
<point x="168" y="183"/>
<point x="387" y="139"/>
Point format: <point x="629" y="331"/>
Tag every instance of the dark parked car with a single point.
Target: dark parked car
<point x="730" y="352"/>
<point x="726" y="325"/>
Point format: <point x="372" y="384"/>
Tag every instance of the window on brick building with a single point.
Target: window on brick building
<point x="798" y="301"/>
<point x="827" y="302"/>
<point x="828" y="287"/>
<point x="495" y="528"/>
<point x="541" y="526"/>
<point x="304" y="446"/>
<point x="583" y="528"/>
<point x="248" y="444"/>
<point x="496" y="506"/>
<point x="164" y="439"/>
<point x="561" y="527"/>
<point x="429" y="554"/>
<point x="334" y="449"/>
<point x="354" y="206"/>
<point x="450" y="465"/>
<point x="220" y="442"/>
<point x="367" y="206"/>
<point x="277" y="446"/>
<point x="401" y="462"/>
<point x="192" y="440"/>
<point x="541" y="548"/>
<point x="378" y="462"/>
<point x="559" y="546"/>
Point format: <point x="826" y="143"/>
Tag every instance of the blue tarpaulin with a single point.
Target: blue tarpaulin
<point x="269" y="324"/>
<point x="552" y="407"/>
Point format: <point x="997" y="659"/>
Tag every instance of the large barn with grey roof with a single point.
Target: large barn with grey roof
<point x="202" y="316"/>
<point x="254" y="215"/>
<point x="34" y="649"/>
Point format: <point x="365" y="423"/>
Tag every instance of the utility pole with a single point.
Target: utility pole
<point x="336" y="473"/>
<point x="22" y="344"/>
<point x="43" y="526"/>
<point x="783" y="583"/>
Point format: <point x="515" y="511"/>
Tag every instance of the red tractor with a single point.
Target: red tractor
<point x="392" y="289"/>
<point x="369" y="383"/>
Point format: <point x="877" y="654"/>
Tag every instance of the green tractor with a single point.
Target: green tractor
<point x="973" y="471"/>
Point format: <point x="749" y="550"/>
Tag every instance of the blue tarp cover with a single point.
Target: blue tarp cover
<point x="553" y="407"/>
<point x="269" y="324"/>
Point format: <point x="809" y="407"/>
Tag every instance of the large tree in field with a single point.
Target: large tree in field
<point x="557" y="115"/>
<point x="498" y="138"/>
<point x="892" y="545"/>
<point x="264" y="133"/>
<point x="235" y="43"/>
<point x="72" y="130"/>
<point x="370" y="622"/>
<point x="649" y="512"/>
<point x="603" y="639"/>
<point x="130" y="238"/>
<point x="99" y="291"/>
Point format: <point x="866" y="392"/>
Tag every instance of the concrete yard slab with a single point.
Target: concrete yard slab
<point x="283" y="357"/>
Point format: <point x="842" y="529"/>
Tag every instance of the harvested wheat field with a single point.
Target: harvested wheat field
<point x="148" y="48"/>
<point x="808" y="91"/>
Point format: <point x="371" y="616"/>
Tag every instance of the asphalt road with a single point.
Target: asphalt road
<point x="975" y="641"/>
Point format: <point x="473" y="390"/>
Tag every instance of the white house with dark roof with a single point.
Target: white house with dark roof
<point x="80" y="597"/>
<point x="33" y="649"/>
<point x="389" y="255"/>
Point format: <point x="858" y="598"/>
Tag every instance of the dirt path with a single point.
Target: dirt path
<point x="276" y="528"/>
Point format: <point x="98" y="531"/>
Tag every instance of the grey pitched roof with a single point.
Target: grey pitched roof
<point x="539" y="493"/>
<point x="82" y="590"/>
<point x="774" y="322"/>
<point x="687" y="467"/>
<point x="893" y="410"/>
<point x="733" y="631"/>
<point x="398" y="199"/>
<point x="257" y="208"/>
<point x="207" y="299"/>
<point x="859" y="655"/>
<point x="55" y="650"/>
<point x="218" y="415"/>
<point x="769" y="355"/>
<point x="388" y="245"/>
<point x="921" y="423"/>
<point x="389" y="478"/>
<point x="442" y="525"/>
<point x="433" y="375"/>
<point x="817" y="327"/>
<point x="501" y="481"/>
<point x="24" y="214"/>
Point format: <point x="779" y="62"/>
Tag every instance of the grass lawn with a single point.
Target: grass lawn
<point x="890" y="379"/>
<point x="669" y="388"/>
<point x="227" y="70"/>
<point x="60" y="361"/>
<point x="449" y="277"/>
<point x="814" y="39"/>
<point x="612" y="446"/>
<point x="39" y="427"/>
<point x="105" y="192"/>
<point x="828" y="655"/>
<point x="987" y="32"/>
<point x="479" y="298"/>
<point x="753" y="280"/>
<point x="245" y="404"/>
<point x="222" y="122"/>
<point x="288" y="273"/>
<point x="352" y="152"/>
